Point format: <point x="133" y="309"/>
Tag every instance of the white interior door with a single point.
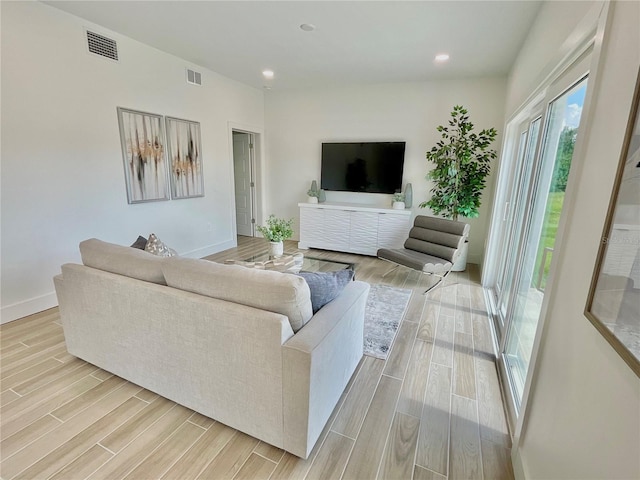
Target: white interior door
<point x="243" y="180"/>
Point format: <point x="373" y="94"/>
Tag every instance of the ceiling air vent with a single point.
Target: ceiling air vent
<point x="103" y="46"/>
<point x="193" y="77"/>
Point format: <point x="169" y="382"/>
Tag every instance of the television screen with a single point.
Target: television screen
<point x="373" y="167"/>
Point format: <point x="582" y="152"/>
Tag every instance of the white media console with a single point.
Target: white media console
<point x="353" y="228"/>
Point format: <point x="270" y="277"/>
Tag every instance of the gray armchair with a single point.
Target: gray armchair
<point x="432" y="248"/>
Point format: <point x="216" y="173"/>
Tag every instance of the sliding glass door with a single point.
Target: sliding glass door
<point x="514" y="217"/>
<point x="548" y="183"/>
<point x="526" y="218"/>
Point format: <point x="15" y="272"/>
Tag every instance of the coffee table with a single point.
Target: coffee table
<point x="309" y="264"/>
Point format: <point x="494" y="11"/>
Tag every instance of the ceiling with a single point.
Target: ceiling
<point x="354" y="42"/>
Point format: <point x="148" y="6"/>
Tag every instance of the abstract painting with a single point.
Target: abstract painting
<point x="143" y="150"/>
<point x="185" y="158"/>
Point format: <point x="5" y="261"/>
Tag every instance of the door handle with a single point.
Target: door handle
<point x="506" y="211"/>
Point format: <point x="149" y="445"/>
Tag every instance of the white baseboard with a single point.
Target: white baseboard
<point x="28" y="307"/>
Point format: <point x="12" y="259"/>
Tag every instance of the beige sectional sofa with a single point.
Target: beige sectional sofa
<point x="238" y="345"/>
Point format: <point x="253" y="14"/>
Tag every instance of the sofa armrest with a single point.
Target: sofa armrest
<point x="317" y="364"/>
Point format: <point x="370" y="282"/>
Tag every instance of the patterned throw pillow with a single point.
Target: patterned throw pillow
<point x="158" y="247"/>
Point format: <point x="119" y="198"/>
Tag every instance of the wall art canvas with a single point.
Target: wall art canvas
<point x="143" y="149"/>
<point x="613" y="305"/>
<point x="185" y="158"/>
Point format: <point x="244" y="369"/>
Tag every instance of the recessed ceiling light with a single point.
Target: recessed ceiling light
<point x="268" y="73"/>
<point x="442" y="57"/>
<point x="308" y="27"/>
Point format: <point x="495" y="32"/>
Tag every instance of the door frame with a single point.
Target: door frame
<point x="252" y="204"/>
<point x="509" y="233"/>
<point x="257" y="135"/>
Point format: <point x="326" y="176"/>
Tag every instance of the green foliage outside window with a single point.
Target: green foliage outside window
<point x="563" y="158"/>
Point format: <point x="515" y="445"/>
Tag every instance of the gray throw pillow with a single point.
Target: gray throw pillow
<point x="140" y="243"/>
<point x="325" y="286"/>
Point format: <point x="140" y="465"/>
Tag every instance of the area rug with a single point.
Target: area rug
<point x="384" y="312"/>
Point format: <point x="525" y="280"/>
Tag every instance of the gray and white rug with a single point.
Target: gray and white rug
<point x="384" y="311"/>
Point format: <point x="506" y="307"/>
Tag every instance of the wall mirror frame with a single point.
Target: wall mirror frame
<point x="613" y="304"/>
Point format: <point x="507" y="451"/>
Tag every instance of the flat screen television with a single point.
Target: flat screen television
<point x="372" y="167"/>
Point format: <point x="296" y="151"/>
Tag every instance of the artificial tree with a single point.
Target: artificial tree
<point x="462" y="162"/>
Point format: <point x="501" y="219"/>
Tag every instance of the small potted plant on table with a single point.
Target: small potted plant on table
<point x="276" y="231"/>
<point x="313" y="196"/>
<point x="398" y="201"/>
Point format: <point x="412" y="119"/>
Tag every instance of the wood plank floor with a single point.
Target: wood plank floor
<point x="432" y="410"/>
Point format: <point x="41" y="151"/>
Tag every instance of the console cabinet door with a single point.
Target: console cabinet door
<point x="356" y="231"/>
<point x="312" y="227"/>
<point x="337" y="224"/>
<point x="363" y="238"/>
<point x="393" y="230"/>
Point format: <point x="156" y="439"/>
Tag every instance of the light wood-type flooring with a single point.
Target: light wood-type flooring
<point x="432" y="410"/>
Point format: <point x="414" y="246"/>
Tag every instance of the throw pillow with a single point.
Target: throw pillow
<point x="325" y="286"/>
<point x="158" y="247"/>
<point x="140" y="243"/>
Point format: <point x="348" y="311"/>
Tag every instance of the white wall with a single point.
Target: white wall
<point x="298" y="122"/>
<point x="583" y="417"/>
<point x="62" y="168"/>
<point x="547" y="40"/>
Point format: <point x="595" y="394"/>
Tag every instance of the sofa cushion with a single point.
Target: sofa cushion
<point x="127" y="261"/>
<point x="325" y="286"/>
<point x="267" y="290"/>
